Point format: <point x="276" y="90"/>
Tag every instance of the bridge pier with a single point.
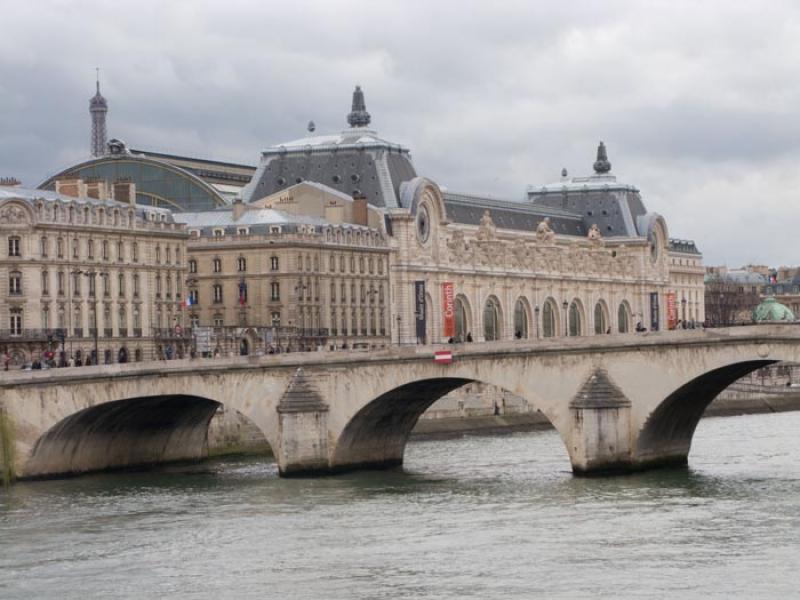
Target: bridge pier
<point x="601" y="427"/>
<point x="303" y="429"/>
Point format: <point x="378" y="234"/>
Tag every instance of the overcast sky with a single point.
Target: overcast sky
<point x="698" y="102"/>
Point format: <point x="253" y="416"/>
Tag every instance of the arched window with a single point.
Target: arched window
<point x="600" y="320"/>
<point x="43" y="247"/>
<point x="90" y="249"/>
<point x="575" y="325"/>
<point x="520" y="320"/>
<point x="462" y="321"/>
<point x="623" y="318"/>
<point x="491" y="320"/>
<point x="549" y="319"/>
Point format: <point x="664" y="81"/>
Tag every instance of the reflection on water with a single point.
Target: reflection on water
<point x="479" y="517"/>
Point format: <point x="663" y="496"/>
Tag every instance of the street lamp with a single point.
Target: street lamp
<point x="92" y="275"/>
<point x="399" y="318"/>
<point x="536" y="317"/>
<point x="565" y="306"/>
<point x="683" y="311"/>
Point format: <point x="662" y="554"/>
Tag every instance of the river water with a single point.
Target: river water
<point x="479" y="517"/>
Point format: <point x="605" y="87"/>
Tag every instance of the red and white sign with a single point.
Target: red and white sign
<point x="443" y="357"/>
<point x="672" y="311"/>
<point x="448" y="310"/>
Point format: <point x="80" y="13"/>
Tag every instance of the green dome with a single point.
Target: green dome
<point x="772" y="310"/>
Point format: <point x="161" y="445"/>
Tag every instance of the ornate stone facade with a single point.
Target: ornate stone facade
<point x="526" y="284"/>
<point x="302" y="270"/>
<point x="88" y="274"/>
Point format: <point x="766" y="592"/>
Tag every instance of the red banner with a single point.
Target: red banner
<point x="448" y="310"/>
<point x="672" y="311"/>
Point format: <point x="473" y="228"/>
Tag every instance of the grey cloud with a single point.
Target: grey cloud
<point x="691" y="98"/>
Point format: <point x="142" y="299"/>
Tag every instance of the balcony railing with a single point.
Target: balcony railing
<point x="171" y="333"/>
<point x="44" y="335"/>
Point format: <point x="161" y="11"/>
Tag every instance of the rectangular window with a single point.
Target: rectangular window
<point x="13" y="246"/>
<point x="15" y="283"/>
<point x="16" y="322"/>
<point x="275" y="289"/>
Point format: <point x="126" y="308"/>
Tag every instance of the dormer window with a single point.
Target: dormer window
<point x="219" y="232"/>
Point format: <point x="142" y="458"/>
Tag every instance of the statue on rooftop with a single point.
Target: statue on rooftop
<point x="543" y="231"/>
<point x="486" y="229"/>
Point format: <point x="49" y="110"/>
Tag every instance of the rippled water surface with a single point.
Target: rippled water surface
<point x="480" y="517"/>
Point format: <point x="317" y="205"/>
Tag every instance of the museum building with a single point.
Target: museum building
<point x="581" y="256"/>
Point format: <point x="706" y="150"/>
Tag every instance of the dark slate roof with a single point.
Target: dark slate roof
<point x="301" y="395"/>
<point x="357" y="161"/>
<point x="599" y="392"/>
<point x="614" y="209"/>
<point x="685" y="246"/>
<point x="510" y="214"/>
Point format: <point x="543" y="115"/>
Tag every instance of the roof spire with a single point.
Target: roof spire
<point x="601" y="165"/>
<point x="358" y="117"/>
<point x="98" y="108"/>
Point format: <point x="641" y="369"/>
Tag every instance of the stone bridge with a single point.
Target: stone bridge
<point x="619" y="402"/>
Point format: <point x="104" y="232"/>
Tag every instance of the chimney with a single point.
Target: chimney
<point x="360" y="216"/>
<point x="71" y="186"/>
<point x="124" y="190"/>
<point x="96" y="188"/>
<point x="239" y="209"/>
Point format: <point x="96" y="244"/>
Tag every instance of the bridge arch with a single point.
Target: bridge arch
<point x="377" y="434"/>
<point x="666" y="435"/>
<point x="125" y="433"/>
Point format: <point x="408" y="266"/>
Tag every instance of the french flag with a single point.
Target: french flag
<point x="188" y="301"/>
